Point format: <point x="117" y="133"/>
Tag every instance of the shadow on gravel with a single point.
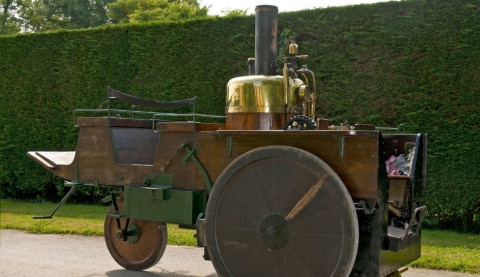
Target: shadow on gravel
<point x="128" y="273"/>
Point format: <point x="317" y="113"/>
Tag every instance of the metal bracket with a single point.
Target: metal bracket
<point x="72" y="186"/>
<point x="229" y="146"/>
<point x="191" y="156"/>
<point x="420" y="210"/>
<point x="130" y="233"/>
<point x="367" y="207"/>
<point x="341" y="147"/>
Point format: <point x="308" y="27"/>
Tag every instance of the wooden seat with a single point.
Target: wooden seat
<point x="53" y="159"/>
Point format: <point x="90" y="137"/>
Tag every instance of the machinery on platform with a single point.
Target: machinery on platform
<point x="273" y="191"/>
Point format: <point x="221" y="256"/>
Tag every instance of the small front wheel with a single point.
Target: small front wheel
<point x="144" y="244"/>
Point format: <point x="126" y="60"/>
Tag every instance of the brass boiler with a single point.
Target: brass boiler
<point x="265" y="100"/>
<point x="257" y="102"/>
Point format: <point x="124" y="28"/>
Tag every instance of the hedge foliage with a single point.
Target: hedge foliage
<point x="411" y="62"/>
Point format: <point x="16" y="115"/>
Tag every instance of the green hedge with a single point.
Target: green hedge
<point x="411" y="62"/>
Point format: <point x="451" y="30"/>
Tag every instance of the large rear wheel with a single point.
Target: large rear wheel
<point x="141" y="247"/>
<point x="281" y="211"/>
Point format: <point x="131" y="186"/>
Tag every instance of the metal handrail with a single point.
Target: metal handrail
<point x="154" y="115"/>
<point x="394" y="129"/>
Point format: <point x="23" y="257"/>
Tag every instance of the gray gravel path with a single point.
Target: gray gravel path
<point x="24" y="254"/>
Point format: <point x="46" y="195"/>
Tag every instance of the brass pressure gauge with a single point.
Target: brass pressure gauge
<point x="303" y="92"/>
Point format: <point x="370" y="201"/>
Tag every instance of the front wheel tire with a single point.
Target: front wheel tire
<point x="144" y="245"/>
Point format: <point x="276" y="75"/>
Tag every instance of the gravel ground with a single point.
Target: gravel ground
<point x="23" y="254"/>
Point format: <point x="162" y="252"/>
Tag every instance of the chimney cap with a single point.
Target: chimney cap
<point x="266" y="8"/>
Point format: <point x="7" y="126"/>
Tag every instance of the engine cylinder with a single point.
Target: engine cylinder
<point x="254" y="103"/>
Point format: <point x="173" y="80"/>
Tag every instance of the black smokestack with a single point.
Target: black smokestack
<point x="266" y="40"/>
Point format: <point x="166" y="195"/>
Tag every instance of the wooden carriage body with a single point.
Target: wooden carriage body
<point x="168" y="170"/>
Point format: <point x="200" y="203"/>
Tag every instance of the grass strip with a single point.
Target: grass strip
<point x="70" y="219"/>
<point x="441" y="250"/>
<point x="447" y="250"/>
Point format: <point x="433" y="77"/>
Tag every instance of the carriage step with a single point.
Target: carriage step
<point x="72" y="186"/>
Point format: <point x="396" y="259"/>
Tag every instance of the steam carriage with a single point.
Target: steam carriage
<point x="273" y="191"/>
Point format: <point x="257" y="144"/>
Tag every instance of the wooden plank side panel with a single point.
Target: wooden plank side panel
<point x="125" y="156"/>
<point x="95" y="161"/>
<point x="172" y="158"/>
<point x="354" y="157"/>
